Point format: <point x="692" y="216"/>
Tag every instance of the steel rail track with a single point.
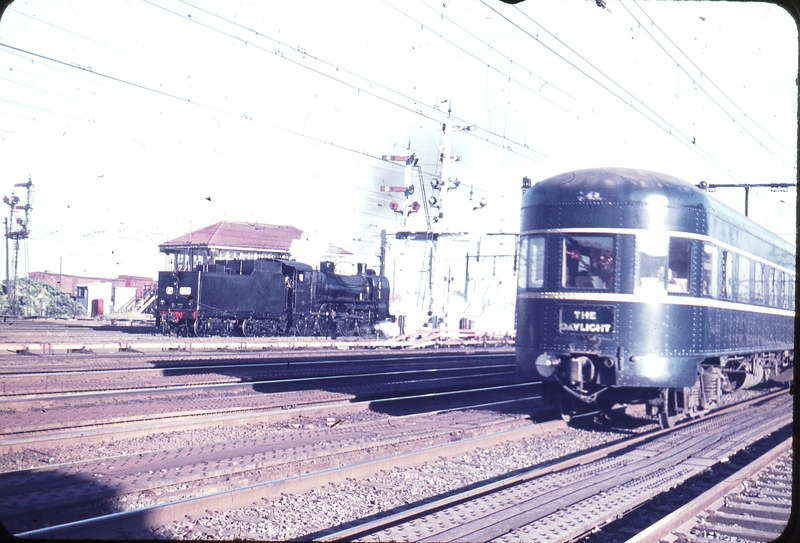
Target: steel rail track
<point x="92" y="432"/>
<point x="431" y="514"/>
<point x="771" y="519"/>
<point x="430" y="338"/>
<point x="242" y="381"/>
<point x="117" y="524"/>
<point x="255" y="359"/>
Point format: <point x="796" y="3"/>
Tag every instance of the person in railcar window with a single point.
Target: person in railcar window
<point x="588" y="262"/>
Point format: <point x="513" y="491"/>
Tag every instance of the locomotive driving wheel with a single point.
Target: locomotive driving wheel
<point x="248" y="329"/>
<point x="302" y="327"/>
<point x="327" y="321"/>
<point x="348" y="327"/>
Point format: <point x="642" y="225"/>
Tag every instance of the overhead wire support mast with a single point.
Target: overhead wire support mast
<point x="710" y="187"/>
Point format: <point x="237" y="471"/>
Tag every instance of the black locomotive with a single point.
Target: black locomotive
<point x="271" y="298"/>
<point x="637" y="287"/>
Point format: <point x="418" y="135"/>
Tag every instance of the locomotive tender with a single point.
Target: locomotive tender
<point x="636" y="287"/>
<point x="270" y="297"/>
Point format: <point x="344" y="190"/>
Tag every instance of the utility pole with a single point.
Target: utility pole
<point x="382" y="271"/>
<point x="16" y="230"/>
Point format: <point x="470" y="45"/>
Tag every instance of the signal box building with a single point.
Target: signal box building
<point x="228" y="240"/>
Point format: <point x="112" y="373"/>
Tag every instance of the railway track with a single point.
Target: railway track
<point x="276" y="391"/>
<point x="160" y="374"/>
<point x="240" y="457"/>
<point x="754" y="503"/>
<point x="570" y="499"/>
<point x="504" y="509"/>
<point x="89" y="430"/>
<point x="170" y="483"/>
<point x="49" y="337"/>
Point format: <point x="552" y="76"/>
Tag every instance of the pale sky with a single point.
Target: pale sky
<point x="140" y="120"/>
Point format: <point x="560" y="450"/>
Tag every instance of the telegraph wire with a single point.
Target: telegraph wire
<point x="695" y="82"/>
<point x="189" y="101"/>
<point x="85" y="69"/>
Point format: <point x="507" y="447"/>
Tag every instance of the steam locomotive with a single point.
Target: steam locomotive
<point x="637" y="287"/>
<point x="271" y="297"/>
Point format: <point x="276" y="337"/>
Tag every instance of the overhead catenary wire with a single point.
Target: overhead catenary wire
<point x="437" y="116"/>
<point x="474" y="135"/>
<point x="284" y="57"/>
<point x="710" y="80"/>
<point x="96" y="73"/>
<point x="514" y="62"/>
<point x="669" y="128"/>
<point x="700" y="86"/>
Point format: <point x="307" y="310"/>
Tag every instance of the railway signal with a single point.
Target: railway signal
<point x="17" y="230"/>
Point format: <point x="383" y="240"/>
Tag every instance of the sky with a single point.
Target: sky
<point x="139" y="121"/>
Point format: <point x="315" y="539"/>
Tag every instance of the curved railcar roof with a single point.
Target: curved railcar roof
<point x="623" y="198"/>
<point x="614" y="185"/>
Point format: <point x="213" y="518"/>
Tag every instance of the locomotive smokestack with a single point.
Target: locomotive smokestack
<point x="361" y="268"/>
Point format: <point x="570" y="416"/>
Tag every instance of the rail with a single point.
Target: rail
<point x="422" y="339"/>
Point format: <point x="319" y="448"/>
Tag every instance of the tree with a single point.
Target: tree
<point x="40" y="299"/>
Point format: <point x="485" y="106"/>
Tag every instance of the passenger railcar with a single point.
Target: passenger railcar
<point x="270" y="298"/>
<point x="637" y="287"/>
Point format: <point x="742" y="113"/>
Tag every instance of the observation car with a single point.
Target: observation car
<point x="637" y="287"/>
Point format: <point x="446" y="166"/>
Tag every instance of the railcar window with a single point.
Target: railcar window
<point x="522" y="271"/>
<point x="680" y="265"/>
<point x="588" y="262"/>
<point x="651" y="263"/>
<point x="743" y="280"/>
<point x="531" y="262"/>
<point x="772" y="287"/>
<point x="663" y="264"/>
<point x="710" y="270"/>
<point x="726" y="271"/>
<point x="758" y="283"/>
